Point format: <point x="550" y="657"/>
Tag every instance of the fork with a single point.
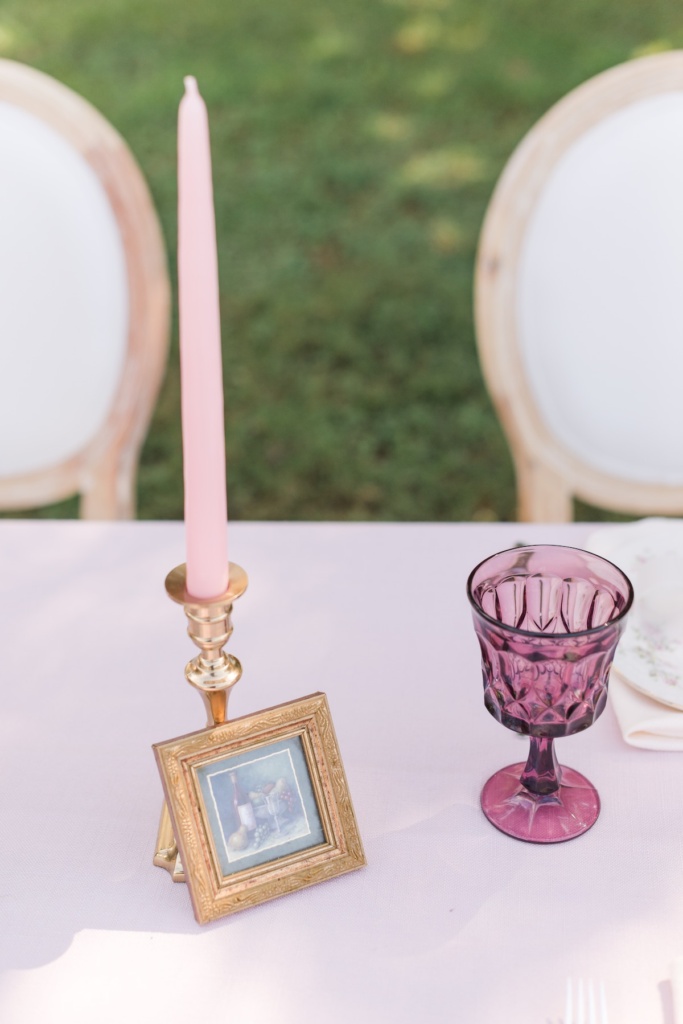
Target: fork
<point x="584" y="1005"/>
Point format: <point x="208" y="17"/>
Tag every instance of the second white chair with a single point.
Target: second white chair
<point x="85" y="301"/>
<point x="579" y="297"/>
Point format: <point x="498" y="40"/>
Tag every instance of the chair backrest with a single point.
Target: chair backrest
<point x="85" y="302"/>
<point x="579" y="297"/>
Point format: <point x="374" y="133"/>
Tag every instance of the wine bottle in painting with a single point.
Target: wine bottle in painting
<point x="244" y="809"/>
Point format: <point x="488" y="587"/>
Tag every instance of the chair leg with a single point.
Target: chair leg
<point x="111" y="491"/>
<point x="543" y="495"/>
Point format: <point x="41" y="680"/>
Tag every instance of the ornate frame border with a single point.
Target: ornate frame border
<point x="215" y="895"/>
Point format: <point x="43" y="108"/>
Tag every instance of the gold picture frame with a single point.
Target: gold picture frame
<point x="260" y="806"/>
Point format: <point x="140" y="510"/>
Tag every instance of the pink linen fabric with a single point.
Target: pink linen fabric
<point x="450" y="921"/>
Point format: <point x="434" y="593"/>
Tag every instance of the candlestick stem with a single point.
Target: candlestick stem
<point x="212" y="672"/>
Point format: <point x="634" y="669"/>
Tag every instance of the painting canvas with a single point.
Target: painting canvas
<point x="260" y="806"/>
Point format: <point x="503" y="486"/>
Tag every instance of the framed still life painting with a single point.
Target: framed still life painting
<point x="260" y="806"/>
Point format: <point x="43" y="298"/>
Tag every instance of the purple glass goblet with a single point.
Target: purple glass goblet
<point x="548" y="620"/>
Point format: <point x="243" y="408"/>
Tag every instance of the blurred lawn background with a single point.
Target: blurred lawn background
<point x="355" y="146"/>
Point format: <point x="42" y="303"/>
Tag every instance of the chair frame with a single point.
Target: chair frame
<point x="548" y="475"/>
<point x="104" y="472"/>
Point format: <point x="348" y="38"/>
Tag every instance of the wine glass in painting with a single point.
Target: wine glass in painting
<point x="548" y="620"/>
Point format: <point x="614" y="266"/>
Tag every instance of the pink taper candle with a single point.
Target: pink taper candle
<point x="206" y="513"/>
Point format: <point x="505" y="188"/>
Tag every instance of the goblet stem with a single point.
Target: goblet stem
<point x="541" y="774"/>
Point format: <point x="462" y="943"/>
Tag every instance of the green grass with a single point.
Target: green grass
<point x="355" y="146"/>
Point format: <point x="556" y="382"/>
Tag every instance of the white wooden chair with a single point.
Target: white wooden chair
<point x="84" y="302"/>
<point x="579" y="297"/>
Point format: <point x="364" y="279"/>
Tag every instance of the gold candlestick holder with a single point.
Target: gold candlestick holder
<point x="212" y="672"/>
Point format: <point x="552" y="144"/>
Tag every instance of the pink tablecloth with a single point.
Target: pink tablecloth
<point x="450" y="922"/>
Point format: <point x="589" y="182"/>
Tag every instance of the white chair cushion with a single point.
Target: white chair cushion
<point x="63" y="297"/>
<point x="600" y="294"/>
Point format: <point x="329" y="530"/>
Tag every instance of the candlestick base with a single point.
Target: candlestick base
<point x="213" y="673"/>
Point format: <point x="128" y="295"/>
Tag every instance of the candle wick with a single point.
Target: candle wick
<point x="191" y="84"/>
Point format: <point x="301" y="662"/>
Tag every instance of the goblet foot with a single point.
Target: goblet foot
<point x="552" y="818"/>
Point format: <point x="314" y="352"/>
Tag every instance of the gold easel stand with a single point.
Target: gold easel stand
<point x="212" y="672"/>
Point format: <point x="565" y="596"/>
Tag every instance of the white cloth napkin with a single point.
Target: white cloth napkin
<point x="645" y="722"/>
<point x="651" y="552"/>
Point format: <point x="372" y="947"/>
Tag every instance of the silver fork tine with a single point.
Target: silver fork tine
<point x="603" y="1005"/>
<point x="592" y="1011"/>
<point x="585" y="1003"/>
<point x="569" y="1005"/>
